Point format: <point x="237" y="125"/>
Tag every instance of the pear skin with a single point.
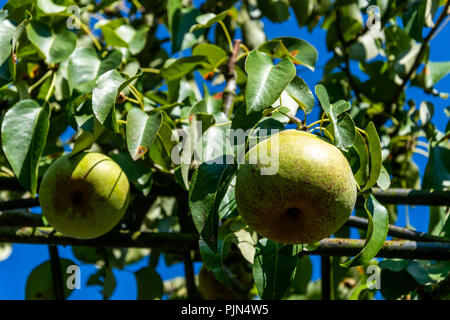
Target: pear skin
<point x="84" y="196"/>
<point x="310" y="196"/>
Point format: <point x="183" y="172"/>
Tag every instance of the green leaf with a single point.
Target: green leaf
<point x="265" y="82"/>
<point x="39" y="284"/>
<point x="180" y="22"/>
<point x="343" y="127"/>
<point x="56" y="46"/>
<point x="299" y="51"/>
<point x="395" y="284"/>
<point x="118" y="33"/>
<point x="6" y="35"/>
<point x="50" y="7"/>
<point x="273" y="269"/>
<point x="435" y="71"/>
<point x="275" y="10"/>
<point x="214" y="55"/>
<point x="24" y="133"/>
<point x="303" y="273"/>
<point x="375" y="156"/>
<point x="363" y="152"/>
<point x="149" y="284"/>
<point x="107" y="87"/>
<point x="160" y="150"/>
<point x="208" y="19"/>
<point x="87" y="138"/>
<point x="183" y="66"/>
<point x="378" y="218"/>
<point x="208" y="186"/>
<point x="437" y="177"/>
<point x="303" y="10"/>
<point x="300" y="92"/>
<point x="414" y="19"/>
<point x="83" y="67"/>
<point x="214" y="260"/>
<point x="141" y="131"/>
<point x="384" y="180"/>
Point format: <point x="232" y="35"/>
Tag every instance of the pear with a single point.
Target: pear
<point x="212" y="289"/>
<point x="84" y="196"/>
<point x="310" y="195"/>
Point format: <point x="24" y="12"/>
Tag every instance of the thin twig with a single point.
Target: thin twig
<point x="418" y="60"/>
<point x="346" y="68"/>
<point x="230" y="77"/>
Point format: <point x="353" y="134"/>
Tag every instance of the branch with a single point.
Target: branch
<point x="413" y="197"/>
<point x="389" y="196"/>
<point x="164" y="241"/>
<point x="418" y="60"/>
<point x="182" y="242"/>
<point x="19" y="204"/>
<point x="397" y="232"/>
<point x="20" y="219"/>
<point x="230" y="77"/>
<point x="402" y="249"/>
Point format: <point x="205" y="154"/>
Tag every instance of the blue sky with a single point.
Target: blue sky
<point x="14" y="271"/>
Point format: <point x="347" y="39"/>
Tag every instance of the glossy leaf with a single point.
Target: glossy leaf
<point x="299" y="51"/>
<point x="363" y="152"/>
<point x="300" y="92"/>
<point x="208" y="19"/>
<point x="24" y="132"/>
<point x="50" y="7"/>
<point x="265" y="82"/>
<point x="181" y="67"/>
<point x="435" y="71"/>
<point x="375" y="156"/>
<point x="7" y="29"/>
<point x="209" y="184"/>
<point x="149" y="284"/>
<point x="141" y="131"/>
<point x="107" y="87"/>
<point x="214" y="260"/>
<point x="56" y="46"/>
<point x="378" y="218"/>
<point x="273" y="269"/>
<point x="343" y="127"/>
<point x="214" y="55"/>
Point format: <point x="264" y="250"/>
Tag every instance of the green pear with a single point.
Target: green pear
<point x="39" y="284"/>
<point x="84" y="196"/>
<point x="212" y="289"/>
<point x="310" y="195"/>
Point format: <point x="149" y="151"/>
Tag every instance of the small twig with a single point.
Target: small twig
<point x="89" y="33"/>
<point x="346" y="68"/>
<point x="40" y="81"/>
<point x="227" y="35"/>
<point x="418" y="60"/>
<point x="230" y="77"/>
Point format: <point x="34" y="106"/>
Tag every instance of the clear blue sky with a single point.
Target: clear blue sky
<point x="14" y="271"/>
